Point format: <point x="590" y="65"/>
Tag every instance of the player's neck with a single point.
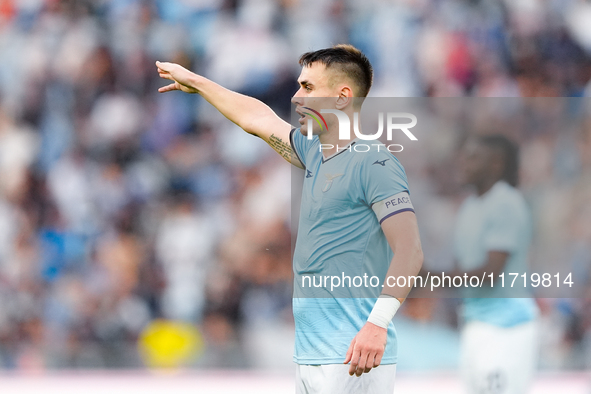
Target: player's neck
<point x="331" y="144"/>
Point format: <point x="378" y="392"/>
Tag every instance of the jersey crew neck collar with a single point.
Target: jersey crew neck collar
<point x="343" y="149"/>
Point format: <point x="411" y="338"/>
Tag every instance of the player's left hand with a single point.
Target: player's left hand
<point x="366" y="349"/>
<point x="180" y="76"/>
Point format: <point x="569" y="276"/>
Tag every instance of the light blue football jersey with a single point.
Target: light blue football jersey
<point x="498" y="220"/>
<point x="340" y="235"/>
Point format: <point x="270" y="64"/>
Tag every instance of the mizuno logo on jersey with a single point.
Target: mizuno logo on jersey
<point x="382" y="163"/>
<point x="329" y="179"/>
<point x="308" y="174"/>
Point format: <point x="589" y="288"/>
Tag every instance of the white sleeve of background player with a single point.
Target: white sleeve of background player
<point x="392" y="205"/>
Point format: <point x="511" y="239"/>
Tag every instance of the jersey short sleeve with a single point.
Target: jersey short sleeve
<point x="300" y="144"/>
<point x="386" y="186"/>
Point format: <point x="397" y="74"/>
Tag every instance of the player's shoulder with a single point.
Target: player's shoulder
<point x="302" y="141"/>
<point x="296" y="133"/>
<point x="378" y="156"/>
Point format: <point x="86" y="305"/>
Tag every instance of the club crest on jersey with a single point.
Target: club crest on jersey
<point x="329" y="179"/>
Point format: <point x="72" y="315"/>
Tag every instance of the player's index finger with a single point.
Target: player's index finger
<point x="349" y="352"/>
<point x="162" y="65"/>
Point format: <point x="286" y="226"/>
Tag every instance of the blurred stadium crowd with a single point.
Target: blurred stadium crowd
<point x="119" y="205"/>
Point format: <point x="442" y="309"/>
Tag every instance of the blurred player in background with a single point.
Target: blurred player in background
<point x="492" y="235"/>
<point x="346" y="220"/>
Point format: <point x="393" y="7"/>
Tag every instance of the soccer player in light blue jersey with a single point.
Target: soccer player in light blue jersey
<point x="492" y="235"/>
<point x="357" y="222"/>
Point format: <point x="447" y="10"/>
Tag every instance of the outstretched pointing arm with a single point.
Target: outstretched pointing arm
<point x="250" y="114"/>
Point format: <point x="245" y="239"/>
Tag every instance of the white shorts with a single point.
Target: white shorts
<point x="497" y="360"/>
<point x="335" y="379"/>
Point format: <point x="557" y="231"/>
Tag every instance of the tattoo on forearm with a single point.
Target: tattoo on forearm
<point x="282" y="147"/>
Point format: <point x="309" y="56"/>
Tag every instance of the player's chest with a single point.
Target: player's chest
<point x="332" y="179"/>
<point x="331" y="188"/>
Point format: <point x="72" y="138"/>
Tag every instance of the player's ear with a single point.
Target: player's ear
<point x="345" y="97"/>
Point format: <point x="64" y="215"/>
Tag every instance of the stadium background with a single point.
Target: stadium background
<point x="120" y="206"/>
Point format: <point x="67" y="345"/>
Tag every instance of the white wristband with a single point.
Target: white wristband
<point x="383" y="311"/>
